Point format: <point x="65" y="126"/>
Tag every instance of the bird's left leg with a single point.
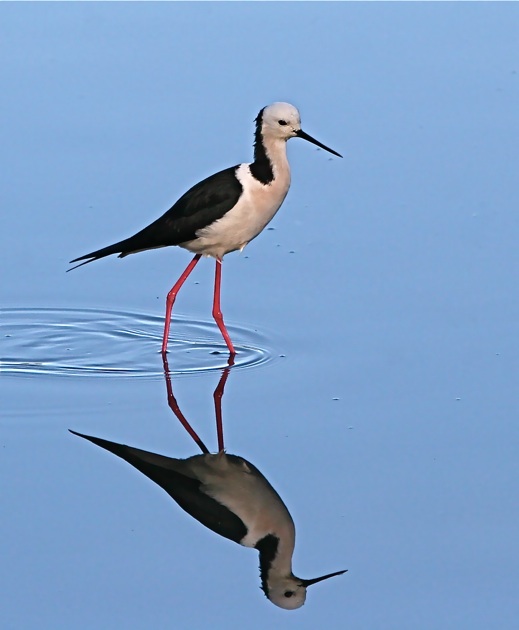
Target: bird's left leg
<point x="172" y="402"/>
<point x="217" y="311"/>
<point x="170" y="300"/>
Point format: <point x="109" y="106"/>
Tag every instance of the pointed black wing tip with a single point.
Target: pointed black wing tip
<point x="79" y="434"/>
<point x="112" y="447"/>
<point x="90" y="438"/>
<point x="81" y="258"/>
<point x="81" y="263"/>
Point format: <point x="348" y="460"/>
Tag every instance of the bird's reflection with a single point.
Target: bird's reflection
<point x="230" y="496"/>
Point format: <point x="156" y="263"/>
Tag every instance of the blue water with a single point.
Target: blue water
<point x="95" y="342"/>
<point x="376" y="324"/>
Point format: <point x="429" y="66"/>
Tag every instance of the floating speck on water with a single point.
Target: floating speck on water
<point x="271" y="229"/>
<point x="335" y="398"/>
<point x="291" y="251"/>
<point x="458" y="398"/>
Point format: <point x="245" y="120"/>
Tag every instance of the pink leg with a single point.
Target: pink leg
<point x="172" y="402"/>
<point x="170" y="300"/>
<point x="217" y="311"/>
<point x="218" y="394"/>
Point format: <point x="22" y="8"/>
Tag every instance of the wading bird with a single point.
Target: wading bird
<point x="224" y="212"/>
<point x="230" y="496"/>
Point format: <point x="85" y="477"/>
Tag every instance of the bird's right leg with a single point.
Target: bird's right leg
<point x="170" y="300"/>
<point x="217" y="311"/>
<point x="217" y="396"/>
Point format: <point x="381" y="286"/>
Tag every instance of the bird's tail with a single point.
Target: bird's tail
<point x="142" y="460"/>
<point x="116" y="248"/>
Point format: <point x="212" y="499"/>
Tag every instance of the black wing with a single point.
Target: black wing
<point x="183" y="489"/>
<point x="201" y="205"/>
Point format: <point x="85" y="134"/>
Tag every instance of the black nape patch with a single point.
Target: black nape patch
<point x="262" y="171"/>
<point x="267" y="547"/>
<point x="261" y="168"/>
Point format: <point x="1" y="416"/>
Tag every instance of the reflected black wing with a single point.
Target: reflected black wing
<point x="201" y="205"/>
<point x="183" y="489"/>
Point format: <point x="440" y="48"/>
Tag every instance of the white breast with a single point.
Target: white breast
<point x="255" y="209"/>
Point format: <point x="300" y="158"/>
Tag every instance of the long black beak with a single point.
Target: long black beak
<point x="305" y="136"/>
<point x="323" y="577"/>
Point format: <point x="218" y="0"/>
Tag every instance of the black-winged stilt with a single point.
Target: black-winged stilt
<point x="224" y="212"/>
<point x="230" y="496"/>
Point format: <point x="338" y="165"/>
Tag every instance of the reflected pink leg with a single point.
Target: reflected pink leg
<point x="217" y="311"/>
<point x="170" y="300"/>
<point x="172" y="402"/>
<point x="218" y="393"/>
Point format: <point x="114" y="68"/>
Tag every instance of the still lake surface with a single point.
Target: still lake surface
<point x="377" y="322"/>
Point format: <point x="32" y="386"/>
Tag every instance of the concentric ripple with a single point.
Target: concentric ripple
<point x="92" y="342"/>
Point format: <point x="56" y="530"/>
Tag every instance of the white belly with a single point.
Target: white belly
<point x="255" y="209"/>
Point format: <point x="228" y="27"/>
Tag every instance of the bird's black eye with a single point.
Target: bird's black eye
<point x="288" y="593"/>
<point x="282" y="122"/>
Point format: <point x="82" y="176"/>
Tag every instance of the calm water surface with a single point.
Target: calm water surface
<point x="376" y="323"/>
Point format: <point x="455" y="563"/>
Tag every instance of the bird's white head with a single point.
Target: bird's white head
<point x="280" y="120"/>
<point x="287" y="592"/>
<point x="290" y="592"/>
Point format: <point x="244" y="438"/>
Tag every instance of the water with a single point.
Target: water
<point x="95" y="342"/>
<point x="377" y="323"/>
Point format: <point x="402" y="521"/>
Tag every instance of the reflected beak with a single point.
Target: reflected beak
<point x="323" y="577"/>
<point x="305" y="136"/>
